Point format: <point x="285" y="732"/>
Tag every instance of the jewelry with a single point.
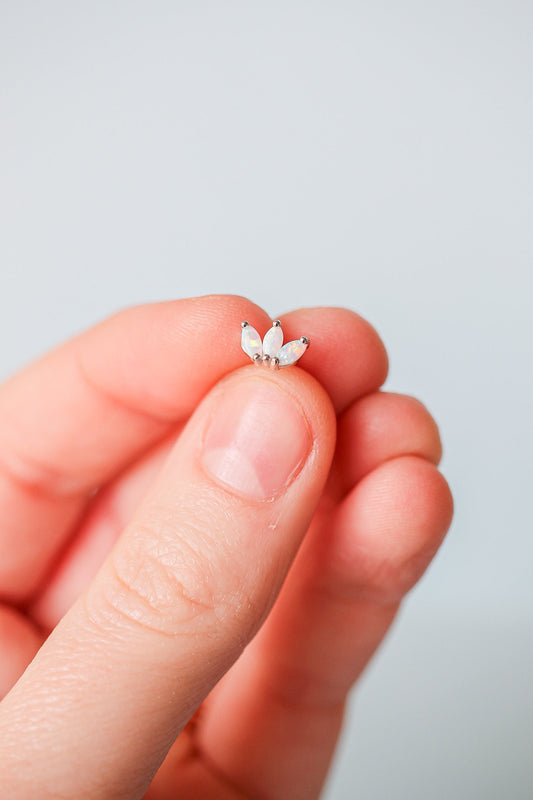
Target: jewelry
<point x="271" y="351"/>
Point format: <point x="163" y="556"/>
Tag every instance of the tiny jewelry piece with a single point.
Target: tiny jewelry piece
<point x="271" y="351"/>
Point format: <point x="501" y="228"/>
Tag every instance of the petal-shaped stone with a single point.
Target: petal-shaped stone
<point x="272" y="341"/>
<point x="291" y="352"/>
<point x="251" y="341"/>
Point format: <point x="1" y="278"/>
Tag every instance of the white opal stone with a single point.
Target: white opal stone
<point x="291" y="352"/>
<point x="251" y="341"/>
<point x="273" y="341"/>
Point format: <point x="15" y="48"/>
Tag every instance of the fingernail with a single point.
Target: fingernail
<point x="257" y="439"/>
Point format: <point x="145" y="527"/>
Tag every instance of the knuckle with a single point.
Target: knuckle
<point x="175" y="582"/>
<point x="303" y="689"/>
<point x="360" y="576"/>
<point x="160" y="584"/>
<point x="390" y="578"/>
<point x="157" y="593"/>
<point x="384" y="551"/>
<point x="412" y="524"/>
<point x="383" y="580"/>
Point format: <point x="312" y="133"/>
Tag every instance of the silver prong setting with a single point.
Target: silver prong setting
<point x="270" y="351"/>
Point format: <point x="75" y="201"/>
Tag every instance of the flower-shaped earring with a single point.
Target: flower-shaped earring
<point x="271" y="351"/>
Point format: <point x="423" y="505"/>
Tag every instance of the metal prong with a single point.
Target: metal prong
<point x="276" y="323"/>
<point x="274" y="363"/>
<point x="305" y="340"/>
<point x="266" y="360"/>
<point x="244" y="324"/>
<point x="257" y="359"/>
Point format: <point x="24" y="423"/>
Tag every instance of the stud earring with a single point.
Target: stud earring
<point x="271" y="351"/>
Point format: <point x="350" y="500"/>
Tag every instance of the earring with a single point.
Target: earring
<point x="271" y="351"/>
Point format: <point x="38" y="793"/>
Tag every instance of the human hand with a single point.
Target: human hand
<point x="241" y="511"/>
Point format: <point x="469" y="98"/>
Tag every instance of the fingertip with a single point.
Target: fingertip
<point x="346" y="355"/>
<point x="379" y="427"/>
<point x="415" y="505"/>
<point x="391" y="525"/>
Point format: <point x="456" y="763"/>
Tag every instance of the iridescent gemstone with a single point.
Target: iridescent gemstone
<point x="291" y="352"/>
<point x="251" y="341"/>
<point x="273" y="341"/>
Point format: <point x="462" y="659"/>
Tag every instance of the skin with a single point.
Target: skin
<point x="188" y="641"/>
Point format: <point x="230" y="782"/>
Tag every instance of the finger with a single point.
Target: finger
<point x="74" y="419"/>
<point x="366" y="355"/>
<point x="374" y="429"/>
<point x="346" y="354"/>
<point x="184" y="590"/>
<point x="378" y="427"/>
<point x="185" y="771"/>
<point x="93" y="542"/>
<point x="123" y="386"/>
<point x="19" y="641"/>
<point x="274" y="720"/>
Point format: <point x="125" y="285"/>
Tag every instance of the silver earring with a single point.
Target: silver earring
<point x="271" y="351"/>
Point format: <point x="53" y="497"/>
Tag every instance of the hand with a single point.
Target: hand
<point x="245" y="521"/>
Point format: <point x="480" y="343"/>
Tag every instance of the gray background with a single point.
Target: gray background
<point x="371" y="154"/>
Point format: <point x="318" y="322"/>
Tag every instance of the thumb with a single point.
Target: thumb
<point x="184" y="590"/>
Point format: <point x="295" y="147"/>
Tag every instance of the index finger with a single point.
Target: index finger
<point x="73" y="420"/>
<point x="79" y="415"/>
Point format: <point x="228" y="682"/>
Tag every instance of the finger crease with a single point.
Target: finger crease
<point x="117" y="400"/>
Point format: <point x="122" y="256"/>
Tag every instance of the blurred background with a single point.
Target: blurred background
<point x="370" y="154"/>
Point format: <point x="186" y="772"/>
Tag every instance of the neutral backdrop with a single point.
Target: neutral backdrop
<point x="370" y="154"/>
